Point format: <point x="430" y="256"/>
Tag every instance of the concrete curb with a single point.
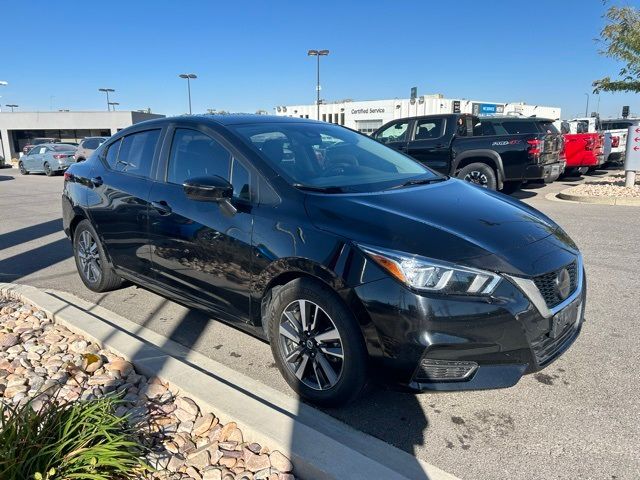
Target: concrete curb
<point x="320" y="446"/>
<point x="598" y="200"/>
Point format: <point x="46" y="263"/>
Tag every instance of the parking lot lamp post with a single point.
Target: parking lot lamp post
<point x="189" y="77"/>
<point x="318" y="54"/>
<point x="113" y="105"/>
<point x="586" y="110"/>
<point x="107" y="90"/>
<point x="11" y="106"/>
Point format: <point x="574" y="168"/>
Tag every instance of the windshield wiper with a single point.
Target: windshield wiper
<point x="312" y="188"/>
<point x="421" y="181"/>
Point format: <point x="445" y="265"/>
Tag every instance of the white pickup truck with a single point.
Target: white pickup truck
<point x="617" y="127"/>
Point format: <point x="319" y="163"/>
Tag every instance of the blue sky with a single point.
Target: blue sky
<point x="251" y="55"/>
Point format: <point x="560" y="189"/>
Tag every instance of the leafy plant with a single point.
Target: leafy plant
<point x="621" y="38"/>
<point x="69" y="440"/>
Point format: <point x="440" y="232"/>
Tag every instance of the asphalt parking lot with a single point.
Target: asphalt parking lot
<point x="576" y="419"/>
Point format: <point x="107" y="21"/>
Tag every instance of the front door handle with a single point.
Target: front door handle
<point x="96" y="181"/>
<point x="162" y="207"/>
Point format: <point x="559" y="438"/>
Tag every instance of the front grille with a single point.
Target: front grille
<point x="546" y="348"/>
<point x="546" y="283"/>
<point x="431" y="370"/>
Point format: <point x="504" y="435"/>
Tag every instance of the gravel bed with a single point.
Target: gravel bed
<point x="609" y="186"/>
<point x="39" y="358"/>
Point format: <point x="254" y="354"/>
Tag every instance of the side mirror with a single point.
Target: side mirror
<point x="208" y="189"/>
<point x="211" y="189"/>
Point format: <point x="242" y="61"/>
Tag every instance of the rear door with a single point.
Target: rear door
<point x="395" y="134"/>
<point x="200" y="253"/>
<point x="120" y="199"/>
<point x="429" y="145"/>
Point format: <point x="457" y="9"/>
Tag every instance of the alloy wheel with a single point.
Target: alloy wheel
<point x="89" y="257"/>
<point x="311" y="345"/>
<point x="477" y="177"/>
<point x="47" y="169"/>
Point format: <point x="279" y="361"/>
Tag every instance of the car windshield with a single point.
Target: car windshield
<point x="63" y="148"/>
<point x="324" y="157"/>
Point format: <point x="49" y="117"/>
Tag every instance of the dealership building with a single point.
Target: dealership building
<point x="18" y="128"/>
<point x="366" y="116"/>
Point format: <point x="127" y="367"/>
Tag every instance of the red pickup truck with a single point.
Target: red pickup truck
<point x="583" y="146"/>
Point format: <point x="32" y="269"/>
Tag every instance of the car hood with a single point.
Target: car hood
<point x="452" y="220"/>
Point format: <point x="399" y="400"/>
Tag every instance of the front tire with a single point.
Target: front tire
<point x="317" y="343"/>
<point x="479" y="174"/>
<point x="23" y="171"/>
<point x="93" y="265"/>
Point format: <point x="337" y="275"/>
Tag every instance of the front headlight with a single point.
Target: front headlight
<point x="429" y="275"/>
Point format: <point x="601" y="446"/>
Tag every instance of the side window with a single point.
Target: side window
<point x="240" y="179"/>
<point x="516" y="127"/>
<point x="194" y="154"/>
<point x="396" y="132"/>
<point x="487" y="129"/>
<point x="42" y="150"/>
<point x="136" y="153"/>
<point x="91" y="143"/>
<point x="429" y="128"/>
<point x="112" y="154"/>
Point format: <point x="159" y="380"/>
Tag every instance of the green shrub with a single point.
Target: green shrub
<point x="77" y="440"/>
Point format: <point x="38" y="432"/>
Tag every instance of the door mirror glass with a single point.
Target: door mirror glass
<point x="208" y="189"/>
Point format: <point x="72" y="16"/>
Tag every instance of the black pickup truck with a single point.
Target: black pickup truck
<point x="499" y="153"/>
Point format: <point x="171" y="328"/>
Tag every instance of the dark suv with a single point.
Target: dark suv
<point x="343" y="253"/>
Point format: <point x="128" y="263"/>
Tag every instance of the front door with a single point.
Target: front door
<point x="201" y="253"/>
<point x="33" y="161"/>
<point x="119" y="200"/>
<point x="428" y="145"/>
<point x="394" y="135"/>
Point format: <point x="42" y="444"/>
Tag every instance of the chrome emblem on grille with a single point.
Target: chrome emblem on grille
<point x="563" y="284"/>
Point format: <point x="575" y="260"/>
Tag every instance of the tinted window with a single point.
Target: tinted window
<point x="429" y="128"/>
<point x="330" y="156"/>
<point x="194" y="154"/>
<point x="91" y="143"/>
<point x="112" y="154"/>
<point x="136" y="153"/>
<point x="547" y="126"/>
<point x="240" y="180"/>
<point x="520" y="127"/>
<point x="62" y="148"/>
<point x="396" y="132"/>
<point x="487" y="129"/>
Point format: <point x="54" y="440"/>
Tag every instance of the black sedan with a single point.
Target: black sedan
<point x="350" y="258"/>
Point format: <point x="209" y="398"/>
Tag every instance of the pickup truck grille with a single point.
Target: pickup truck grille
<point x="546" y="283"/>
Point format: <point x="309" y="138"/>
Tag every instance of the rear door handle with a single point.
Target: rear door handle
<point x="96" y="181"/>
<point x="162" y="207"/>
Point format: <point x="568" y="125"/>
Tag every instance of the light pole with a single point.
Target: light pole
<point x="189" y="77"/>
<point x="113" y="104"/>
<point x="11" y="106"/>
<point x="3" y="84"/>
<point x="107" y="90"/>
<point x="318" y="54"/>
<point x="586" y="110"/>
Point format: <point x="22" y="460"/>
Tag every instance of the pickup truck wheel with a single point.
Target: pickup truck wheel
<point x="479" y="173"/>
<point x="510" y="187"/>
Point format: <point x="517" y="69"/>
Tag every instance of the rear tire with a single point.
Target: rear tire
<point x="326" y="363"/>
<point x="479" y="174"/>
<point x="92" y="263"/>
<point x="510" y="187"/>
<point x="23" y="171"/>
<point x="47" y="170"/>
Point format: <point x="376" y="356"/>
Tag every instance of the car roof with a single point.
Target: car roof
<point x="224" y="120"/>
<point x="512" y="118"/>
<point x="57" y="144"/>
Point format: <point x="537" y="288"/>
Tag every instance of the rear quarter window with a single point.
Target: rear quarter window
<point x="516" y="127"/>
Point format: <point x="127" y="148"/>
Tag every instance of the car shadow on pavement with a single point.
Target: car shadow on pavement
<point x="32" y="232"/>
<point x="6" y="177"/>
<point x="33" y="260"/>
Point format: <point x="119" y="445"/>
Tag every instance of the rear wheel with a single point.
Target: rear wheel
<point x="480" y="174"/>
<point x="47" y="170"/>
<point x="93" y="266"/>
<point x="316" y="343"/>
<point x="23" y="171"/>
<point x="510" y="187"/>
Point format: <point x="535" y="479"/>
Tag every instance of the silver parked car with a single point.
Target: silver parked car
<point x="87" y="147"/>
<point x="49" y="158"/>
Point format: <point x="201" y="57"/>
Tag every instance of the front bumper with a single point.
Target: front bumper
<point x="549" y="172"/>
<point x="460" y="343"/>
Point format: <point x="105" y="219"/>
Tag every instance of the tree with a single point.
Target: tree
<point x="621" y="38"/>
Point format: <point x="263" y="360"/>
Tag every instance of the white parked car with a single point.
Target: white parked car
<point x="618" y="127"/>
